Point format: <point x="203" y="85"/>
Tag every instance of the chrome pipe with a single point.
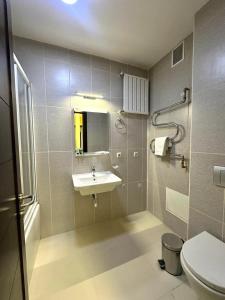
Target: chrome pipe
<point x="185" y="100"/>
<point x="179" y="128"/>
<point x="157" y="113"/>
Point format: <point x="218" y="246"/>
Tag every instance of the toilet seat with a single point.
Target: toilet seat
<point x="204" y="256"/>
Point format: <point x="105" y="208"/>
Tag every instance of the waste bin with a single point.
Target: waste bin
<point x="171" y="248"/>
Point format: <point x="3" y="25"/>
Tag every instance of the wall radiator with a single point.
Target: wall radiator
<point x="135" y="94"/>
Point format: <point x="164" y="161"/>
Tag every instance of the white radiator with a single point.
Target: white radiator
<point x="135" y="94"/>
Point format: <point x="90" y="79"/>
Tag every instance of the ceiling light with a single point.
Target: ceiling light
<point x="69" y="1"/>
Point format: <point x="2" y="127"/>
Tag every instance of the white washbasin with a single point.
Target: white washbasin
<point x="103" y="182"/>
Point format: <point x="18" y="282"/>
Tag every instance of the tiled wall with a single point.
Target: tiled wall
<point x="208" y="120"/>
<point x="166" y="86"/>
<point x="56" y="74"/>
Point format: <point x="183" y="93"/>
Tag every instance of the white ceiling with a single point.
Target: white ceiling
<point x="139" y="32"/>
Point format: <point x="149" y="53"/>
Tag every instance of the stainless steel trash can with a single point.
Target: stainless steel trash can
<point x="171" y="248"/>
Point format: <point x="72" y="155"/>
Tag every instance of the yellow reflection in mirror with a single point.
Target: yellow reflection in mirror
<point x="78" y="130"/>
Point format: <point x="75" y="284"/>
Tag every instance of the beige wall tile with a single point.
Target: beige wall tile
<point x="116" y="86"/>
<point x="204" y="195"/>
<point x="207" y="135"/>
<point x="28" y="51"/>
<point x="80" y="79"/>
<point x="117" y="68"/>
<point x="56" y="74"/>
<point x="134" y="130"/>
<point x="136" y="197"/>
<point x="101" y="83"/>
<point x="118" y="136"/>
<point x="62" y="193"/>
<point x="79" y="59"/>
<point x="157" y="202"/>
<point x="84" y="210"/>
<point x="121" y="162"/>
<point x="43" y="193"/>
<point x="166" y="86"/>
<point x="199" y="222"/>
<point x="40" y="125"/>
<point x="57" y="83"/>
<point x="100" y="63"/>
<point x="59" y="129"/>
<point x="119" y="201"/>
<point x="102" y="212"/>
<point x="135" y="165"/>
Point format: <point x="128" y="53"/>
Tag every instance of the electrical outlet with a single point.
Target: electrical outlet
<point x="135" y="154"/>
<point x="118" y="154"/>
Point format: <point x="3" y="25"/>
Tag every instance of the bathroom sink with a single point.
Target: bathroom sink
<point x="102" y="182"/>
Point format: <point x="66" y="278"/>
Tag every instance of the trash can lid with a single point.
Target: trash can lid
<point x="172" y="242"/>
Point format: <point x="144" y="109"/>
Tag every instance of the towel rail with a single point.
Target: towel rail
<point x="179" y="128"/>
<point x="185" y="100"/>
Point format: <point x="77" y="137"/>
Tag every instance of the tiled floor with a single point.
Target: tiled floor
<point x="116" y="260"/>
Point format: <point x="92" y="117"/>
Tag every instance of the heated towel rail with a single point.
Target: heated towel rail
<point x="178" y="136"/>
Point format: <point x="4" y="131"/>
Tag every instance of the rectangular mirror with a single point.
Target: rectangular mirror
<point x="91" y="132"/>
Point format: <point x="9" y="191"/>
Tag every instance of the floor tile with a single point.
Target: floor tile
<point x="112" y="260"/>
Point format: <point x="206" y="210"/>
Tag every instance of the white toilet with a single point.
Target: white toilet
<point x="203" y="261"/>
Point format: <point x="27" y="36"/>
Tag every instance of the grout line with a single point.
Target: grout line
<point x="110" y="95"/>
<point x="91" y="68"/>
<point x="125" y="148"/>
<point x="208" y="153"/>
<point x="127" y="152"/>
<point x="72" y="140"/>
<point x="110" y="84"/>
<point x="190" y="136"/>
<point x="204" y="214"/>
<point x="49" y="172"/>
<point x="223" y="214"/>
<point x="66" y="107"/>
<point x="74" y="215"/>
<point x="54" y="151"/>
<point x="41" y="105"/>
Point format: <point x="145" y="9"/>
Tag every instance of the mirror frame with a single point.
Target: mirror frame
<point x="96" y="153"/>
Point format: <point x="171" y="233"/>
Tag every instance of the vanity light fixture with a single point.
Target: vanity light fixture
<point x="69" y="1"/>
<point x="89" y="96"/>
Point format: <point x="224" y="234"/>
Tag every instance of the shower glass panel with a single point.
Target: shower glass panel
<point x="25" y="135"/>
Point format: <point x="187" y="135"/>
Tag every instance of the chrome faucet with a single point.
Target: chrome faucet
<point x="93" y="171"/>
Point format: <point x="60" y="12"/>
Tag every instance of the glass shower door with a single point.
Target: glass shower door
<point x="25" y="135"/>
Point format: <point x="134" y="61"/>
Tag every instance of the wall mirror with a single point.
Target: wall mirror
<point x="91" y="132"/>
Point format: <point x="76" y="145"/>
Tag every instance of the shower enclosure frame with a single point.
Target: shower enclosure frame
<point x="29" y="202"/>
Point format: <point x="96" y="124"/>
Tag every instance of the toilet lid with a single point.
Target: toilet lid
<point x="205" y="257"/>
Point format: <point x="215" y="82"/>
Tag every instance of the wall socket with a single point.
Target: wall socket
<point x="135" y="154"/>
<point x="118" y="154"/>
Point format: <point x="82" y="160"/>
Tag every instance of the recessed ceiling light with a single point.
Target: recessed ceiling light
<point x="69" y="1"/>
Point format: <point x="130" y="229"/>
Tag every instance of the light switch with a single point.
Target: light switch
<point x="219" y="175"/>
